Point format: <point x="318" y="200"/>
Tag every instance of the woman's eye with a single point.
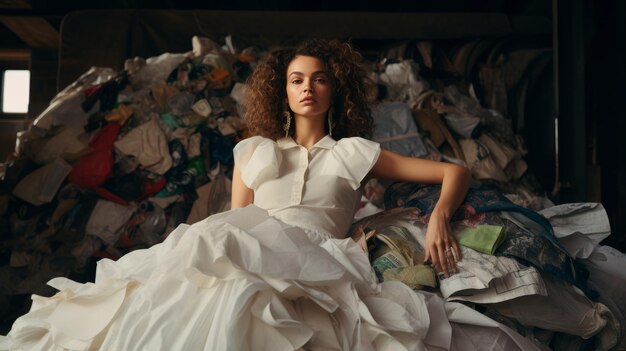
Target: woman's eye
<point x="296" y="81"/>
<point x="321" y="80"/>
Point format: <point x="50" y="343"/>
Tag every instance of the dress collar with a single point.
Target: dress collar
<point x="327" y="142"/>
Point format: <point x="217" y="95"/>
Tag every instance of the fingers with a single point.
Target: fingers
<point x="442" y="249"/>
<point x="453" y="258"/>
<point x="457" y="251"/>
<point x="444" y="257"/>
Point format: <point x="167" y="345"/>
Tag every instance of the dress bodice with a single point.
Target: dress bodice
<point x="316" y="188"/>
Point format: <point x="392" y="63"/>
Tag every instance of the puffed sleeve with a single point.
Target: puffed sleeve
<point x="352" y="158"/>
<point x="258" y="159"/>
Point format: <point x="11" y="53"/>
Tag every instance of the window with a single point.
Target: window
<point x="14" y="83"/>
<point x="15" y="91"/>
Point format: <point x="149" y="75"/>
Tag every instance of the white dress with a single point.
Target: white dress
<point x="276" y="275"/>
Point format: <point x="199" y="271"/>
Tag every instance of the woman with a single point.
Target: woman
<point x="276" y="275"/>
<point x="323" y="92"/>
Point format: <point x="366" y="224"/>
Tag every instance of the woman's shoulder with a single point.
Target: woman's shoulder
<point x="256" y="139"/>
<point x="258" y="159"/>
<point x="358" y="142"/>
<point x="353" y="158"/>
<point x="252" y="142"/>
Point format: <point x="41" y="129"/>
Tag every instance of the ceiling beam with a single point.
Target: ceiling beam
<point x="36" y="32"/>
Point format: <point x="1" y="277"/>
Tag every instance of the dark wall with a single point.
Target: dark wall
<point x="606" y="116"/>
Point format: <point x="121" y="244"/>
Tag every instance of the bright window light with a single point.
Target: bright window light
<point x="15" y="91"/>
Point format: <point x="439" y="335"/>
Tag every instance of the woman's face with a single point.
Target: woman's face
<point x="309" y="88"/>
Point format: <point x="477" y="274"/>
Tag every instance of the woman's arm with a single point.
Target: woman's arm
<point x="454" y="181"/>
<point x="241" y="195"/>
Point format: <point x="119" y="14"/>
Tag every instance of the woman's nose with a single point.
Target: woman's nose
<point x="308" y="87"/>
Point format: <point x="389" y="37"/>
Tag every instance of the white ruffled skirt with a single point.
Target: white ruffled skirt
<point x="243" y="280"/>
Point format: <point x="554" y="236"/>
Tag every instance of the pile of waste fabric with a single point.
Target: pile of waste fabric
<point x="120" y="158"/>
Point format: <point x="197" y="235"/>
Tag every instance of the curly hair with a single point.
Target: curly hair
<point x="266" y="90"/>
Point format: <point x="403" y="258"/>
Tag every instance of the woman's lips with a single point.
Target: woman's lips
<point x="307" y="101"/>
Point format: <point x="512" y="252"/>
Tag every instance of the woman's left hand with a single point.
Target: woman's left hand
<point x="441" y="247"/>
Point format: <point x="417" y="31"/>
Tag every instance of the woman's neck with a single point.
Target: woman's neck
<point x="309" y="130"/>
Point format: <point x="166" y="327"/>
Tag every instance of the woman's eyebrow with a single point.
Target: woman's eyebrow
<point x="301" y="74"/>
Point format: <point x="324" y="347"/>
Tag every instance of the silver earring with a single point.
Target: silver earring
<point x="287" y="124"/>
<point x="330" y="121"/>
